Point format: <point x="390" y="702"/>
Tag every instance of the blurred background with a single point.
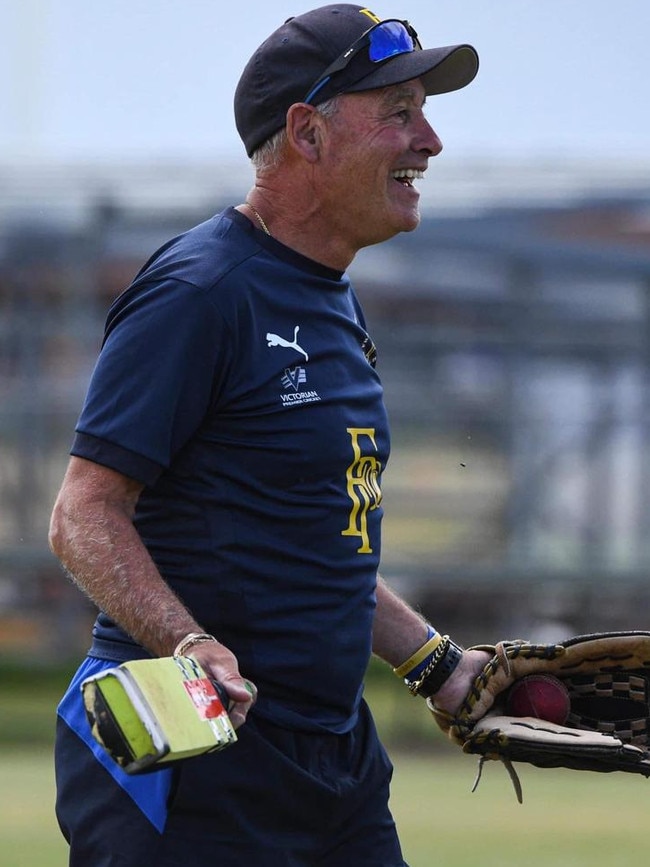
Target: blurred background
<point x="512" y="327"/>
<point x="512" y="332"/>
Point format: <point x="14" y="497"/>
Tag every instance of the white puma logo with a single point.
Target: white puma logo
<point x="276" y="340"/>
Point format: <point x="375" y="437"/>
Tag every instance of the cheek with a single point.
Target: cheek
<point x="350" y="172"/>
<point x="358" y="165"/>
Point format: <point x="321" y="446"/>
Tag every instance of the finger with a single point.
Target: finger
<point x="238" y="712"/>
<point x="252" y="690"/>
<point x="240" y="690"/>
<point x="242" y="695"/>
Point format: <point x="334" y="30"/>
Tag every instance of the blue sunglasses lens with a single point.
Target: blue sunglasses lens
<point x="384" y="40"/>
<point x="388" y="39"/>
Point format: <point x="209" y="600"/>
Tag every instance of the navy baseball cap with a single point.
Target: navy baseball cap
<point x="338" y="49"/>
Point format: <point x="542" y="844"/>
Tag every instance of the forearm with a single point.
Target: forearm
<point x="92" y="533"/>
<point x="96" y="542"/>
<point x="444" y="669"/>
<point x="112" y="566"/>
<point x="398" y="630"/>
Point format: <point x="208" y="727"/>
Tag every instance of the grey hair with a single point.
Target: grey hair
<point x="269" y="153"/>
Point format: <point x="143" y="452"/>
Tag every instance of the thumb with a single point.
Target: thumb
<point x="239" y="690"/>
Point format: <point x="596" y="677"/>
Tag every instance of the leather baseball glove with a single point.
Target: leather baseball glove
<point x="607" y="676"/>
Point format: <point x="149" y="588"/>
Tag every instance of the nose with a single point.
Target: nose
<point x="429" y="139"/>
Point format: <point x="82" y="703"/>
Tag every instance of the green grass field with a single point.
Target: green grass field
<point x="568" y="819"/>
<point x="29" y="836"/>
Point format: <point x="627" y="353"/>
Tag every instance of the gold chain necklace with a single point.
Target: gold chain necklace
<point x="259" y="219"/>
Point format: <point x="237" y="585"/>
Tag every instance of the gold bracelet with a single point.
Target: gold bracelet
<point x="192" y="638"/>
<point x="438" y="654"/>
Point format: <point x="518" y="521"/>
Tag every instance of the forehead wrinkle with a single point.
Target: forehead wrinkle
<point x="397" y="93"/>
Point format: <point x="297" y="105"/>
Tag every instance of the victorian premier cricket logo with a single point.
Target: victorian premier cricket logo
<point x="363" y="484"/>
<point x="293" y="378"/>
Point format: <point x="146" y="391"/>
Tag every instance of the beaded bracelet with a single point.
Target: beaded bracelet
<point x="191" y="639"/>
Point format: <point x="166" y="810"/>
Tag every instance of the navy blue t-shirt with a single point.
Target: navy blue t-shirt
<point x="236" y="381"/>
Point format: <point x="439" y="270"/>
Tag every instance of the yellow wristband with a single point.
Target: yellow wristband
<point x="419" y="656"/>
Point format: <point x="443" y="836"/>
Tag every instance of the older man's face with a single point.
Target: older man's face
<point x="378" y="144"/>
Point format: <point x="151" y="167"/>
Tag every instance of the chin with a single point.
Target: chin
<point x="408" y="222"/>
<point x="414" y="222"/>
<point x="394" y="222"/>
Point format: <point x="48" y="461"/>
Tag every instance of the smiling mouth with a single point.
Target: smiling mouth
<point x="407" y="176"/>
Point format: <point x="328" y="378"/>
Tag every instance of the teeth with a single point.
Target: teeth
<point x="411" y="174"/>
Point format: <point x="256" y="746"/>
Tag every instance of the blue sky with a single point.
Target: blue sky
<point x="125" y="79"/>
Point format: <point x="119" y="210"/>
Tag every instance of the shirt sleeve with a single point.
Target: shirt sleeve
<point x="162" y="365"/>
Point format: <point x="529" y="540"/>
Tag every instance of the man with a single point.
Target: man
<point x="223" y="495"/>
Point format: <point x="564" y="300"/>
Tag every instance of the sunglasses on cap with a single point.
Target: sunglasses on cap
<point x="384" y="40"/>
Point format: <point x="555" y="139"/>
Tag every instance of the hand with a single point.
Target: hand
<point x="221" y="665"/>
<point x="451" y="694"/>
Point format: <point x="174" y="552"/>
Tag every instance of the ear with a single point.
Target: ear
<point x="304" y="130"/>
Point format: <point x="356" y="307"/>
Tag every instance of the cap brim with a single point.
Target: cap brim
<point x="441" y="70"/>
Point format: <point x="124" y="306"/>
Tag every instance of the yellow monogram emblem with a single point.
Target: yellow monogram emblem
<point x="363" y="484"/>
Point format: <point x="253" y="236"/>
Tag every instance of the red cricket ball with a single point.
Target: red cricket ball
<point x="542" y="696"/>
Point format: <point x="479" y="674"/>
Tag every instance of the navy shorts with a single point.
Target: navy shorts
<point x="276" y="798"/>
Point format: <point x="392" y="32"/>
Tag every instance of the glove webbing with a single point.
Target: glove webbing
<point x="610" y="703"/>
